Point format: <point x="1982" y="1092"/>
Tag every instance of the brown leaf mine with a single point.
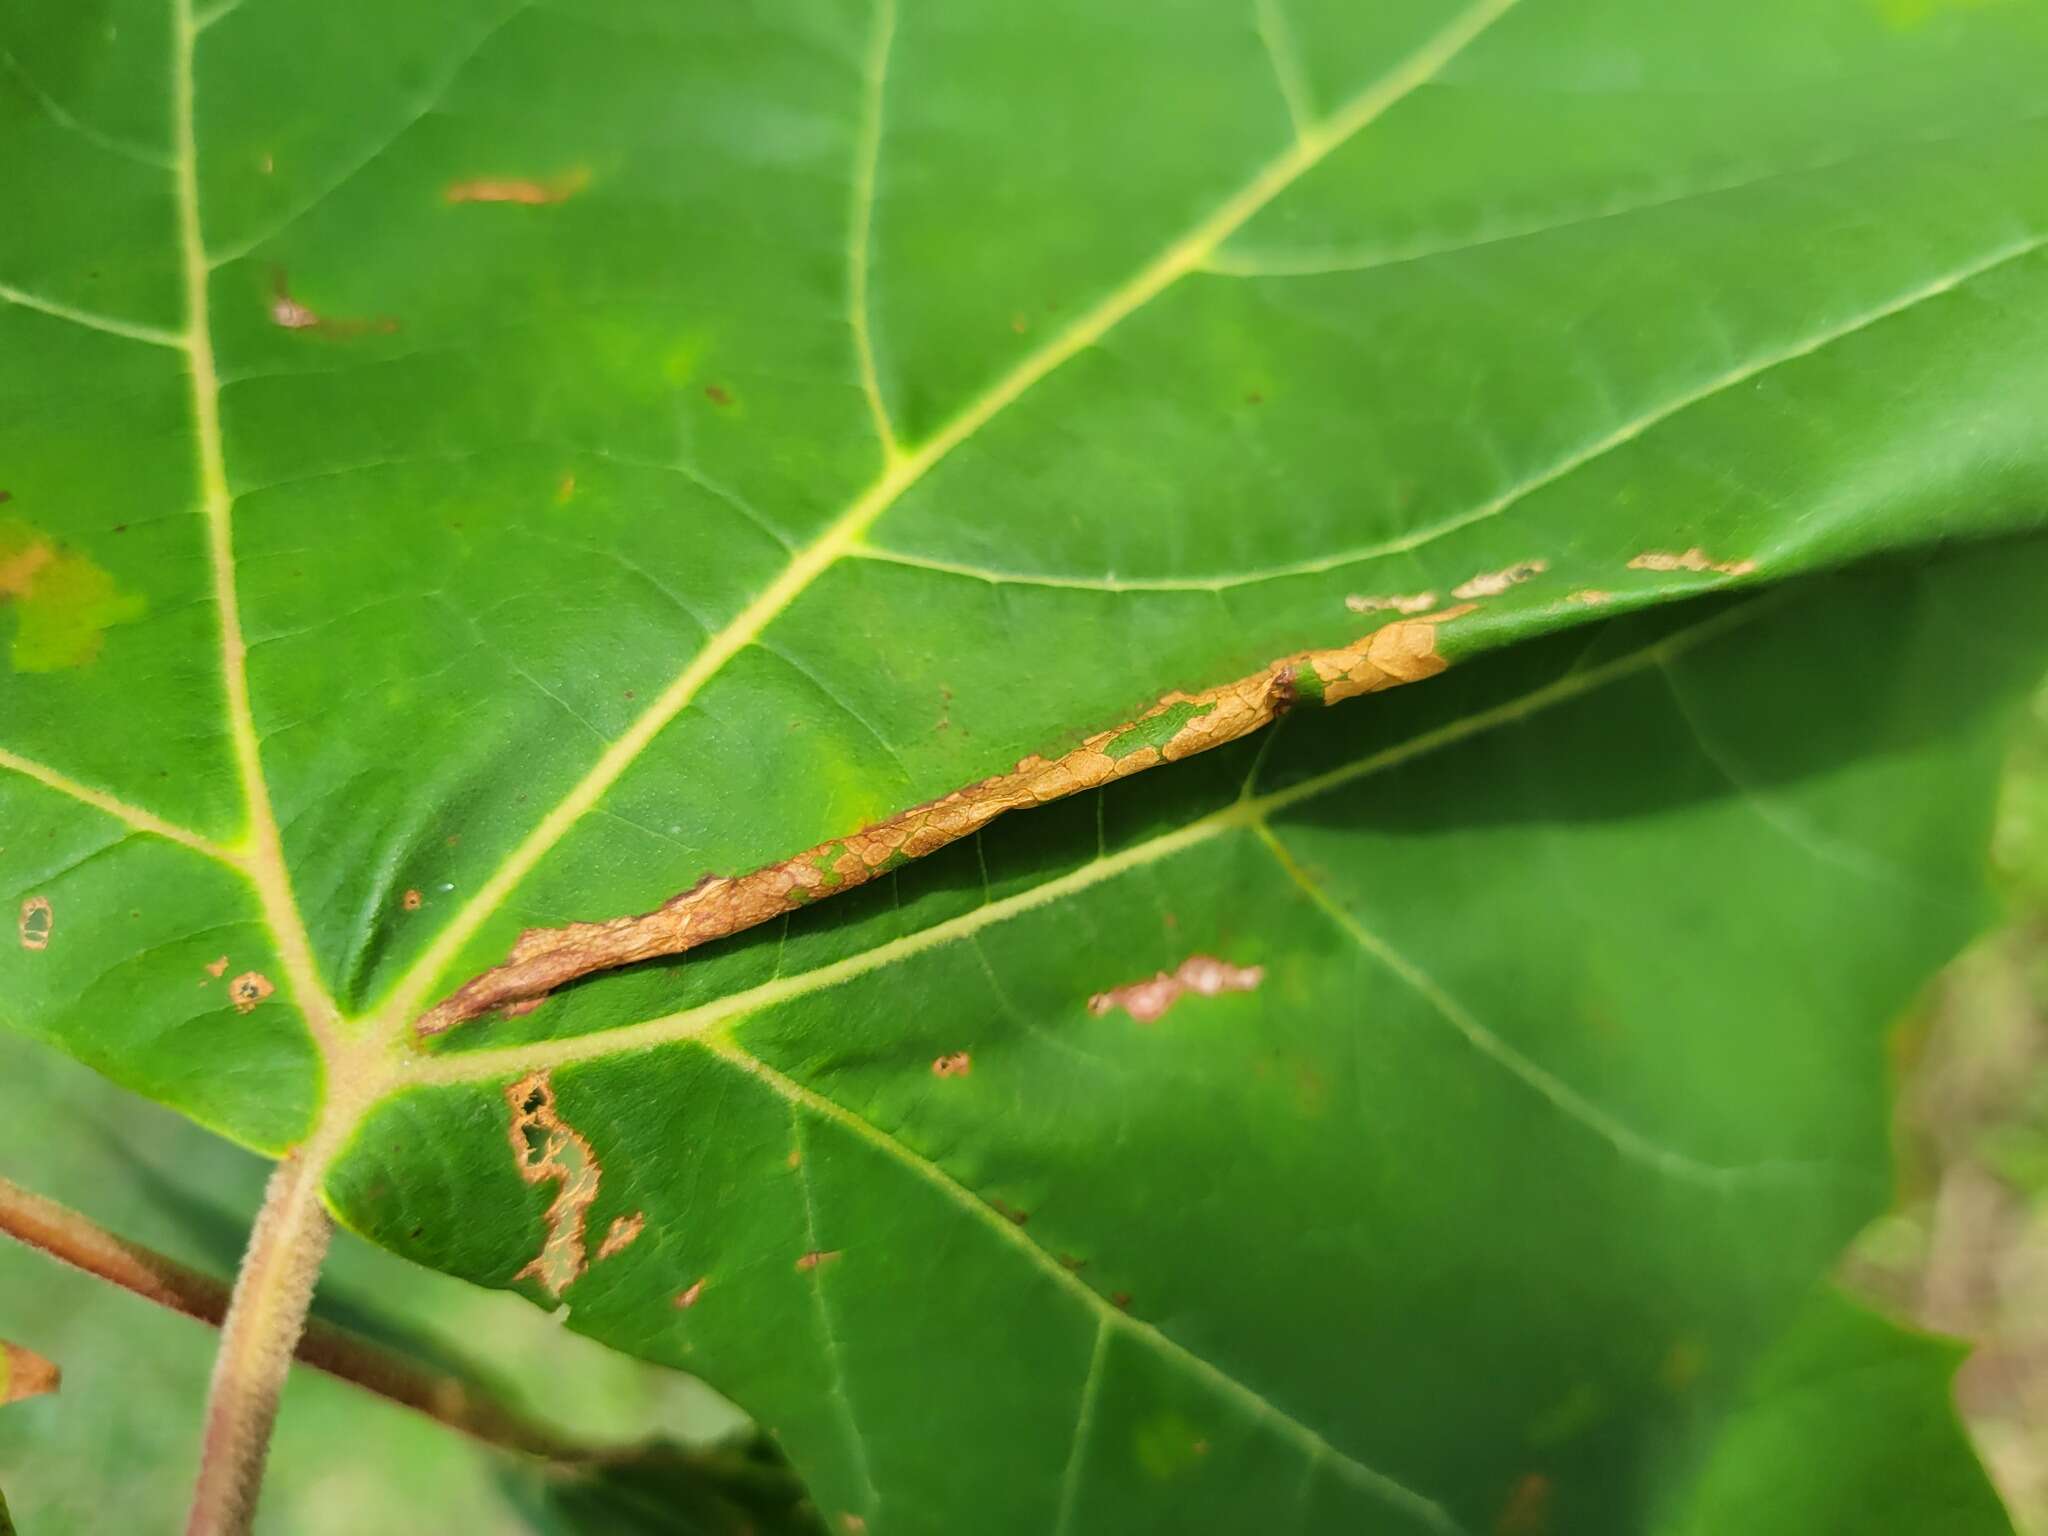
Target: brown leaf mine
<point x="1178" y="726"/>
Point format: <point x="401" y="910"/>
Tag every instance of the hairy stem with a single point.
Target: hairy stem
<point x="74" y="1239"/>
<point x="266" y="1317"/>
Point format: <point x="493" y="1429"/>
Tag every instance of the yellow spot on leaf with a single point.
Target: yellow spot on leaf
<point x="1168" y="1445"/>
<point x="63" y="602"/>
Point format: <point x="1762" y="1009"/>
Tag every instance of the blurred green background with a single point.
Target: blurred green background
<point x="1965" y="1252"/>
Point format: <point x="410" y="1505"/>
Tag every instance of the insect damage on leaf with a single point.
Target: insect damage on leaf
<point x="24" y="1373"/>
<point x="1694" y="559"/>
<point x="287" y="313"/>
<point x="518" y="189"/>
<point x="1411" y="603"/>
<point x="546" y="1151"/>
<point x="621" y="1232"/>
<point x="1146" y="1000"/>
<point x="35" y="922"/>
<point x="1493" y="583"/>
<point x="249" y="989"/>
<point x="718" y="906"/>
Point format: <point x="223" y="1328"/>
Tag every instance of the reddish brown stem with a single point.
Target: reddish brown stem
<point x="73" y="1239"/>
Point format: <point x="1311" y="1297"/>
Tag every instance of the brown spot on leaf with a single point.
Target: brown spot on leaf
<point x="959" y="1064"/>
<point x="817" y="1257"/>
<point x="546" y="1151"/>
<point x="523" y="1007"/>
<point x="717" y="395"/>
<point x="1694" y="559"/>
<point x="24" y="1373"/>
<point x="1009" y="1212"/>
<point x="1122" y="1300"/>
<point x="411" y="901"/>
<point x="795" y="1158"/>
<point x="1178" y="726"/>
<point x="686" y="1299"/>
<point x="519" y="189"/>
<point x="217" y="968"/>
<point x="35" y="923"/>
<point x="1592" y="597"/>
<point x="621" y="1232"/>
<point x="1526" y="1511"/>
<point x="565" y="490"/>
<point x="249" y="989"/>
<point x="1145" y="1001"/>
<point x="852" y="1524"/>
<point x="1682" y="1364"/>
<point x="1414" y="602"/>
<point x="1493" y="583"/>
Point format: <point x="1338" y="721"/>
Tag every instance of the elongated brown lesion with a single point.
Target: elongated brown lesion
<point x="718" y="906"/>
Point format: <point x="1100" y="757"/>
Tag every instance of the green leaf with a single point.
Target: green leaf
<point x="1846" y="1426"/>
<point x="480" y="467"/>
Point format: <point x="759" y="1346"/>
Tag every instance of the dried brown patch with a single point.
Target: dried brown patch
<point x="249" y="989"/>
<point x="621" y="1233"/>
<point x="38" y="919"/>
<point x="687" y="1299"/>
<point x="24" y="1373"/>
<point x="412" y="901"/>
<point x="1493" y="583"/>
<point x="1592" y="597"/>
<point x="817" y="1257"/>
<point x="546" y="1151"/>
<point x="1694" y="559"/>
<point x="1413" y="603"/>
<point x="1205" y="975"/>
<point x="1178" y="726"/>
<point x="959" y="1064"/>
<point x="519" y="189"/>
